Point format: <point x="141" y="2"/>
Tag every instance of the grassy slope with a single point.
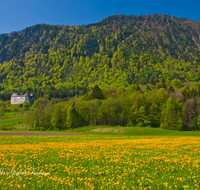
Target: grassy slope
<point x="12" y="121"/>
<point x="136" y="131"/>
<point x="122" y="131"/>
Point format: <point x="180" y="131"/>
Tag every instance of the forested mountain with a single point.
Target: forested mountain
<point x="116" y="52"/>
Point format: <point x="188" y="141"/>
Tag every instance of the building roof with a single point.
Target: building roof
<point x="15" y="94"/>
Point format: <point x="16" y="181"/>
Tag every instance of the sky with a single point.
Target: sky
<point x="16" y="15"/>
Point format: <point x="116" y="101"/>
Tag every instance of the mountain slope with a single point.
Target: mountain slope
<point x="116" y="52"/>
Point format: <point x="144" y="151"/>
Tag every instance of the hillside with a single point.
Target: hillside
<point x="118" y="51"/>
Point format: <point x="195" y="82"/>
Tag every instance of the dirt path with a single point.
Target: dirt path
<point x="39" y="134"/>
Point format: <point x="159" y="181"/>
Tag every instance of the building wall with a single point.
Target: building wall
<point x="18" y="100"/>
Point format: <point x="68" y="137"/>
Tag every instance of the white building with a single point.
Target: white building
<point x="20" y="99"/>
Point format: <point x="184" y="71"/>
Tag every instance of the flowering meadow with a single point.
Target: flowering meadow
<point x="99" y="162"/>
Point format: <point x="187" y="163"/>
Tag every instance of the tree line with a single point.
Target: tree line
<point x="173" y="107"/>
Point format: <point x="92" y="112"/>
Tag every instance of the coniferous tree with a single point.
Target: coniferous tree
<point x="96" y="93"/>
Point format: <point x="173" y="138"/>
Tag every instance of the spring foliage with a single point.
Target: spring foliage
<point x="147" y="106"/>
<point x="115" y="53"/>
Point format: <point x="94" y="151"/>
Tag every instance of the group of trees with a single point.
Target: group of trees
<point x="166" y="107"/>
<point x="124" y="70"/>
<point x="61" y="61"/>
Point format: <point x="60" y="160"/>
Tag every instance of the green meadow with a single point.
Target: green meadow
<point x="14" y="121"/>
<point x="101" y="160"/>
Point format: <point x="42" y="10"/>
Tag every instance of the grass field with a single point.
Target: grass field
<point x="14" y="121"/>
<point x="101" y="161"/>
<point x="113" y="131"/>
<point x="131" y="131"/>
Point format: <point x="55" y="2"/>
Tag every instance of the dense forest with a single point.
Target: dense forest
<point x="173" y="107"/>
<point x="117" y="52"/>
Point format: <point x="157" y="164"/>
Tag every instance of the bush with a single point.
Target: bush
<point x="41" y="128"/>
<point x="36" y="124"/>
